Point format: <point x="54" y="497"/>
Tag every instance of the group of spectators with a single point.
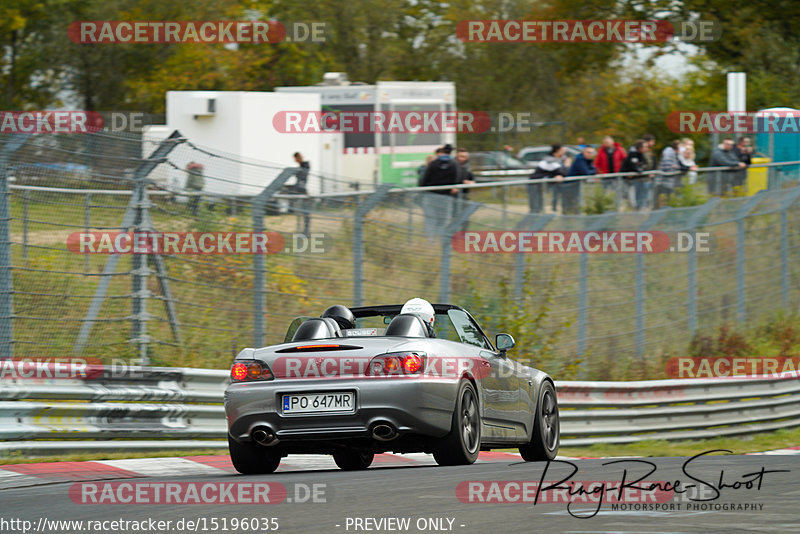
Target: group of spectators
<point x="677" y="160"/>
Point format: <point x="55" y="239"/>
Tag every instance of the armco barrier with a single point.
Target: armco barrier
<point x="171" y="408"/>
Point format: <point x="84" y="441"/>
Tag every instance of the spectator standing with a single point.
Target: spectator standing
<point x="723" y="156"/>
<point x="442" y="171"/>
<point x="570" y="191"/>
<point x="670" y="166"/>
<point x="553" y="166"/>
<point x="301" y="174"/>
<point x="194" y="184"/>
<point x="636" y="161"/>
<point x="743" y="151"/>
<point x="609" y="159"/>
<point x="686" y="159"/>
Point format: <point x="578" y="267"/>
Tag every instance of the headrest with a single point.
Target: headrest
<point x="317" y="328"/>
<point x="407" y="325"/>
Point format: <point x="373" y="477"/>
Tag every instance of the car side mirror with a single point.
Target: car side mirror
<point x="503" y="342"/>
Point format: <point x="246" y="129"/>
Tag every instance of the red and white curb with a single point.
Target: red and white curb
<point x="24" y="475"/>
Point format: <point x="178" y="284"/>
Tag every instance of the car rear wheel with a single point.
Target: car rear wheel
<point x="253" y="459"/>
<point x="546" y="428"/>
<point x="462" y="444"/>
<point x="353" y="460"/>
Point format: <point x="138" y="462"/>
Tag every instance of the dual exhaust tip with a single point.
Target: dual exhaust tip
<point x="380" y="431"/>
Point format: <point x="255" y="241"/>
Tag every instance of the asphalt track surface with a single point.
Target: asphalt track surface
<point x="426" y="493"/>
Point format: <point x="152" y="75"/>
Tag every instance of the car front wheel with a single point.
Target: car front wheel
<point x="462" y="444"/>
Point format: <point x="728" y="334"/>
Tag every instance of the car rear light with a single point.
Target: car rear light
<point x="412" y="363"/>
<point x="243" y="372"/>
<point x="398" y="363"/>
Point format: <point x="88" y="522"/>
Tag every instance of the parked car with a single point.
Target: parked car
<point x="532" y="155"/>
<point x="495" y="159"/>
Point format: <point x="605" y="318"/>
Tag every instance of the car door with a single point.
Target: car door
<point x="500" y="388"/>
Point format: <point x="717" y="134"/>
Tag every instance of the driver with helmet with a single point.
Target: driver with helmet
<point x="422" y="309"/>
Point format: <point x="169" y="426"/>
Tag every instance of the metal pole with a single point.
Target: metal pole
<point x="651" y="221"/>
<point x="447" y="249"/>
<point x="787" y="201"/>
<point x="505" y="206"/>
<point x="691" y="290"/>
<point x="785" y="258"/>
<point x="259" y="283"/>
<point x="741" y="311"/>
<point x="533" y="222"/>
<point x="139" y="290"/>
<point x="363" y="208"/>
<point x="691" y="264"/>
<point x="257" y="209"/>
<point x="6" y="284"/>
<point x="86" y="224"/>
<point x="600" y="223"/>
<point x="26" y="196"/>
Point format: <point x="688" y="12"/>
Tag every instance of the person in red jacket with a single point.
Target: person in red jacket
<point x="609" y="158"/>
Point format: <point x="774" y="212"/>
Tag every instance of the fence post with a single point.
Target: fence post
<point x="139" y="275"/>
<point x="6" y="286"/>
<point x="691" y="267"/>
<point x="87" y="206"/>
<point x="583" y="283"/>
<point x="362" y="209"/>
<point x="257" y="210"/>
<point x="741" y="311"/>
<point x="786" y="202"/>
<point x="26" y="197"/>
<point x="655" y="218"/>
<point x="532" y="222"/>
<point x="505" y="206"/>
<point x="447" y="249"/>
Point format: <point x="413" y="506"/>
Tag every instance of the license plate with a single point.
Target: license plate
<point x="337" y="401"/>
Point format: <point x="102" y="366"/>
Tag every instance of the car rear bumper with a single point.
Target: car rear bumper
<point x="409" y="405"/>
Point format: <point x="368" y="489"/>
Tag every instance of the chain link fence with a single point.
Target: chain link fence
<point x="598" y="316"/>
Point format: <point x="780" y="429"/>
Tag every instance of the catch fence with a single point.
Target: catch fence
<point x="588" y="316"/>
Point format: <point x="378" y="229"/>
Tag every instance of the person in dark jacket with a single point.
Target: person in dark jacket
<point x="719" y="182"/>
<point x="582" y="166"/>
<point x="636" y="161"/>
<point x="442" y="171"/>
<point x="439" y="207"/>
<point x="743" y="150"/>
<point x="553" y="166"/>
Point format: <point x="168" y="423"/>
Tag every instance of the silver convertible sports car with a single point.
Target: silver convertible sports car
<point x="360" y="381"/>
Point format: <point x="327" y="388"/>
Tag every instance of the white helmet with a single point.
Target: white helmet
<point x="421" y="307"/>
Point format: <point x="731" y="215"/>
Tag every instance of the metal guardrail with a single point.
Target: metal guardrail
<point x="172" y="408"/>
